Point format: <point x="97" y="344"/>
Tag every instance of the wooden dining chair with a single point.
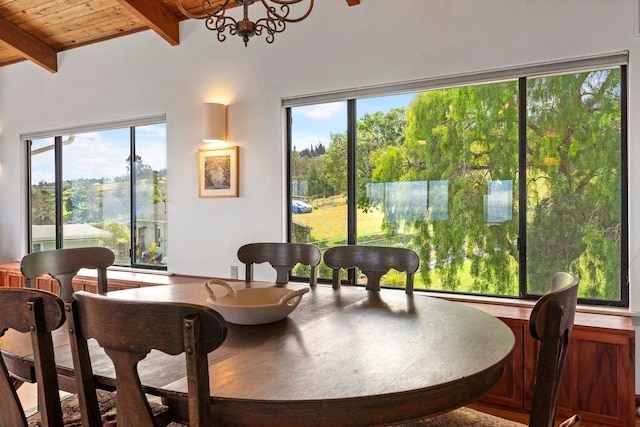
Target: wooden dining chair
<point x="282" y="256"/>
<point x="38" y="313"/>
<point x="128" y="331"/>
<point x="64" y="264"/>
<point x="550" y="324"/>
<point x="373" y="261"/>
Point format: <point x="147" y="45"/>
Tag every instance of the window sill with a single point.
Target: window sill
<point x="512" y="302"/>
<point x="613" y="318"/>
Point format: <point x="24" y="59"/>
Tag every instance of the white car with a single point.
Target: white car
<point x="298" y="207"/>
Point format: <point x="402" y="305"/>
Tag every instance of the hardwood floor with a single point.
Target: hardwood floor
<point x="28" y="394"/>
<point x="28" y="397"/>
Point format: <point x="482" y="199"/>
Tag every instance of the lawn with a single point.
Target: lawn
<point x="329" y="223"/>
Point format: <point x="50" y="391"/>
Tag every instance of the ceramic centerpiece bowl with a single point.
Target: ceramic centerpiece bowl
<point x="253" y="306"/>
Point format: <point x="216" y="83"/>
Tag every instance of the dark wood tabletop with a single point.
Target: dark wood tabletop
<point x="345" y="357"/>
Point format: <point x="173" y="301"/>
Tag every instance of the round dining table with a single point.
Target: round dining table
<point x="343" y="357"/>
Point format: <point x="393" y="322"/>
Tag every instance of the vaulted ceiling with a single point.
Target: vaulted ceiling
<point x="37" y="30"/>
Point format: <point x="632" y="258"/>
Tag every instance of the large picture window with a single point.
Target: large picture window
<point x="101" y="186"/>
<point x="496" y="185"/>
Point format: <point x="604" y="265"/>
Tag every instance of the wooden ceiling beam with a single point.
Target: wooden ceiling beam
<point x="28" y="45"/>
<point x="157" y="16"/>
<point x="353" y="2"/>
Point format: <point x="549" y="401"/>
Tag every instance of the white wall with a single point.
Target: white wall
<point x="337" y="47"/>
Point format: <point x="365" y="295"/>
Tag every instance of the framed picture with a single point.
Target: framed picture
<point x="218" y="172"/>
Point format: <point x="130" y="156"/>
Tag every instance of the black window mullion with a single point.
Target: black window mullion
<point x="351" y="181"/>
<point x="289" y="136"/>
<point x="59" y="190"/>
<point x="522" y="186"/>
<point x="132" y="195"/>
<point x="624" y="188"/>
<point x="29" y="145"/>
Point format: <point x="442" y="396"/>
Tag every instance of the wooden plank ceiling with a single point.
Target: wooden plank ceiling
<point x="37" y="30"/>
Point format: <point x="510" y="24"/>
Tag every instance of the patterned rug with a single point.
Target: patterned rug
<point x="463" y="417"/>
<point x="107" y="403"/>
<point x="467" y="417"/>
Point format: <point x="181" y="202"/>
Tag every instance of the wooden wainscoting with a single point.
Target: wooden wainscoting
<point x="598" y="381"/>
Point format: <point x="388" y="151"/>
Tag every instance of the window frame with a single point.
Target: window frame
<point x="521" y="74"/>
<point x="57" y="136"/>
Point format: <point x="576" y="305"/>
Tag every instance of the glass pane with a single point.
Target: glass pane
<point x="386" y="209"/>
<point x="439" y="171"/>
<point x="96" y="199"/>
<point x="574" y="181"/>
<point x="319" y="178"/>
<point x="151" y="195"/>
<point x="43" y="195"/>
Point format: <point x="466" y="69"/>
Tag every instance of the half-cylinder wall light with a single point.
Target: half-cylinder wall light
<point x="214" y="122"/>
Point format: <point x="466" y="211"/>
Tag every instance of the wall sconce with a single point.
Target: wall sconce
<point x="214" y="122"/>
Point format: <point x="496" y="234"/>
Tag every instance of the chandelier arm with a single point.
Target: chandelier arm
<point x="221" y="24"/>
<point x="284" y="6"/>
<point x="270" y="28"/>
<point x="206" y="4"/>
<point x="271" y="25"/>
<point x="275" y="22"/>
<point x="189" y="14"/>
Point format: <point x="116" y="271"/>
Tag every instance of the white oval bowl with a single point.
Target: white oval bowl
<point x="253" y="306"/>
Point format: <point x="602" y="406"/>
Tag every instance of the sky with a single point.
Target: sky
<point x="100" y="154"/>
<point x="103" y="154"/>
<point x="313" y="124"/>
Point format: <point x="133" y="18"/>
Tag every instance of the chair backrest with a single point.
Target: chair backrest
<point x="373" y="261"/>
<point x="64" y="264"/>
<point x="282" y="257"/>
<point x="172" y="328"/>
<point x="550" y="323"/>
<point x="37" y="312"/>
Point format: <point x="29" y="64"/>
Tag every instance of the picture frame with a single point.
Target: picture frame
<point x="218" y="172"/>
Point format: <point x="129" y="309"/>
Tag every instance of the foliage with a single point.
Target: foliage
<point x="120" y="233"/>
<point x="104" y="203"/>
<point x="468" y="136"/>
<point x="43" y="199"/>
<point x="375" y="132"/>
<point x="447" y="174"/>
<point x="576" y="214"/>
<point x="307" y="168"/>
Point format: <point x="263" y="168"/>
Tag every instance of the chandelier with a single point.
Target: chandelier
<point x="278" y="12"/>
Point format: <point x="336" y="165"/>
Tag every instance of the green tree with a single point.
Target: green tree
<point x="334" y="162"/>
<point x="306" y="167"/>
<point x="374" y="132"/>
<point x="468" y="136"/>
<point x="43" y="204"/>
<point x="574" y="210"/>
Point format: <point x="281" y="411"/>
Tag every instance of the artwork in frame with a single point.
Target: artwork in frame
<point x="218" y="172"/>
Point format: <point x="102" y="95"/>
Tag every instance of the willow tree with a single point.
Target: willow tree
<point x="574" y="180"/>
<point x="467" y="137"/>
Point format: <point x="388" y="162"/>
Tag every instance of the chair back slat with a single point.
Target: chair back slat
<point x="551" y="323"/>
<point x="373" y="261"/>
<point x="39" y="313"/>
<point x="282" y="257"/>
<point x="172" y="328"/>
<point x="64" y="264"/>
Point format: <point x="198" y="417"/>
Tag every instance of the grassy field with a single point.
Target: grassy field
<point x="328" y="224"/>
